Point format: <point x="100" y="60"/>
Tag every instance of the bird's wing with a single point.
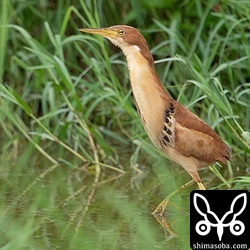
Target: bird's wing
<point x="194" y="138"/>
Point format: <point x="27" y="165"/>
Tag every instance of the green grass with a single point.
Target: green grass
<point x="70" y="130"/>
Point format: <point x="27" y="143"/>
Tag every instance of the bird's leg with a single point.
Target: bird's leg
<point x="197" y="179"/>
<point x="201" y="186"/>
<point x="161" y="208"/>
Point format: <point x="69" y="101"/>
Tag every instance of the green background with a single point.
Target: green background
<point x="77" y="170"/>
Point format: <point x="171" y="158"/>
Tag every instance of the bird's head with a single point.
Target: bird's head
<point x="127" y="38"/>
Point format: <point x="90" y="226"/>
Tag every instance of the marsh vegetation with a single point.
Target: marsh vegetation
<point x="77" y="169"/>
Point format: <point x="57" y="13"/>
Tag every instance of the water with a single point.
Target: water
<point x="57" y="207"/>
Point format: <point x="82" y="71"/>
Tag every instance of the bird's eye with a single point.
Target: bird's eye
<point x="120" y="32"/>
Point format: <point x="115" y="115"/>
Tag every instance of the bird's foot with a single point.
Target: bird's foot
<point x="161" y="208"/>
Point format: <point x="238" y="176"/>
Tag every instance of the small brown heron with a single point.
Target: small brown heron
<point x="175" y="130"/>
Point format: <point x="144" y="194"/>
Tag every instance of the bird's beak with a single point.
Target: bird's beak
<point x="105" y="32"/>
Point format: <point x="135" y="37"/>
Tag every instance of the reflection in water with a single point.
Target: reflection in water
<point x="70" y="208"/>
<point x="162" y="219"/>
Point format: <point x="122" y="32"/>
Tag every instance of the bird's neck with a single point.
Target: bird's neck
<point x="143" y="76"/>
<point x="149" y="94"/>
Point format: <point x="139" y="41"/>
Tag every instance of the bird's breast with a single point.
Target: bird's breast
<point x="147" y="96"/>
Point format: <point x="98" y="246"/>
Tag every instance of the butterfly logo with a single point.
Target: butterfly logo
<point x="210" y="219"/>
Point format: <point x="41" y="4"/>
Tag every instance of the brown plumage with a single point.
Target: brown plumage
<point x="180" y="134"/>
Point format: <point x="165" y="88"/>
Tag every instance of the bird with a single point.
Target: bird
<point x="176" y="131"/>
